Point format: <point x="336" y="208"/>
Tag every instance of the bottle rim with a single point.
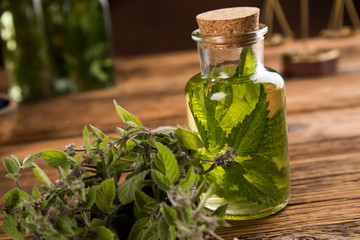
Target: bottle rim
<point x="242" y="39"/>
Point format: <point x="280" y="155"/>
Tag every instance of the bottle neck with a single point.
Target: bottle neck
<point x="220" y="55"/>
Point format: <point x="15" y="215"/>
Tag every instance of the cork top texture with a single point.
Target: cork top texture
<point x="229" y="21"/>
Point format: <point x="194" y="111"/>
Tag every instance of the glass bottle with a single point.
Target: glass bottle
<point x="88" y="49"/>
<point x="26" y="51"/>
<point x="56" y="46"/>
<point x="237" y="106"/>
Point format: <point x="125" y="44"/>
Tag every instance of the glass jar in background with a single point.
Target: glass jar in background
<point x="88" y="49"/>
<point x="26" y="51"/>
<point x="56" y="46"/>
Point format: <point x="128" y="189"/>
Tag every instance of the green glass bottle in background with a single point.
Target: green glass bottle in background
<point x="88" y="52"/>
<point x="238" y="108"/>
<point x="55" y="46"/>
<point x="25" y="51"/>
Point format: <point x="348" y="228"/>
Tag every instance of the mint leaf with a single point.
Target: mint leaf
<point x="139" y="228"/>
<point x="90" y="198"/>
<point x="166" y="231"/>
<point x="15" y="196"/>
<point x="275" y="136"/>
<point x="166" y="163"/>
<point x="188" y="139"/>
<point x="86" y="140"/>
<point x="162" y="181"/>
<point x="64" y="226"/>
<point x="244" y="99"/>
<point x="246" y="137"/>
<point x="35" y="193"/>
<point x="55" y="158"/>
<point x="253" y="185"/>
<point x="186" y="213"/>
<point x="126" y="116"/>
<point x="126" y="190"/>
<point x="103" y="233"/>
<point x="12" y="228"/>
<point x="98" y="133"/>
<point x="247" y="64"/>
<point x="10" y="165"/>
<point x="105" y="195"/>
<point x="30" y="159"/>
<point x="169" y="214"/>
<point x="41" y="175"/>
<point x="144" y="202"/>
<point x="203" y="109"/>
<point x="189" y="179"/>
<point x="151" y="232"/>
<point x="220" y="211"/>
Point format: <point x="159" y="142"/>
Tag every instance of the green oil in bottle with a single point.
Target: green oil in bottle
<point x="240" y="113"/>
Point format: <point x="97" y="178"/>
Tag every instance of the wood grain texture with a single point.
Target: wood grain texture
<point x="324" y="135"/>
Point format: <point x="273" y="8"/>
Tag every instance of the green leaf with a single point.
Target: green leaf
<point x="256" y="186"/>
<point x="220" y="211"/>
<point x="126" y="116"/>
<point x="10" y="165"/>
<point x="40" y="174"/>
<point x="90" y="198"/>
<point x="55" y="158"/>
<point x="151" y="232"/>
<point x="15" y="196"/>
<point x="86" y="140"/>
<point x="247" y="136"/>
<point x="244" y="99"/>
<point x="169" y="214"/>
<point x="189" y="179"/>
<point x="29" y="223"/>
<point x="103" y="233"/>
<point x="247" y="64"/>
<point x="16" y="159"/>
<point x="30" y="159"/>
<point x="126" y="190"/>
<point x="64" y="226"/>
<point x="105" y="195"/>
<point x="162" y="181"/>
<point x="204" y="198"/>
<point x="166" y="231"/>
<point x="186" y="214"/>
<point x="13" y="176"/>
<point x="98" y="132"/>
<point x="35" y="193"/>
<point x="275" y="137"/>
<point x="12" y="228"/>
<point x="205" y="111"/>
<point x="188" y="139"/>
<point x="165" y="129"/>
<point x="95" y="222"/>
<point x="166" y="163"/>
<point x="139" y="228"/>
<point x="130" y="144"/>
<point x="144" y="202"/>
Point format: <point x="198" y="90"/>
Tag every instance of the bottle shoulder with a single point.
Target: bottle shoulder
<point x="264" y="75"/>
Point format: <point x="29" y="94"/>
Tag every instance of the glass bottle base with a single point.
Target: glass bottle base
<point x="243" y="212"/>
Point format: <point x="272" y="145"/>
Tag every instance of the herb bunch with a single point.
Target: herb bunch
<point x="142" y="184"/>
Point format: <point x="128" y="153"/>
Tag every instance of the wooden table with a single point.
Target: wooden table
<point x="324" y="134"/>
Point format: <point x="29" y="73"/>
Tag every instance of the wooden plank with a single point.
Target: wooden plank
<point x="312" y="216"/>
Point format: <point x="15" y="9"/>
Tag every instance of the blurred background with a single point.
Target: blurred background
<point x="75" y="51"/>
<point x="146" y="27"/>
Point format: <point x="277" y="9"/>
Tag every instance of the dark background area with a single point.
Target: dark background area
<point x="147" y="27"/>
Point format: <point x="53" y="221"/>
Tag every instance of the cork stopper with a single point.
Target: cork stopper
<point x="229" y="21"/>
